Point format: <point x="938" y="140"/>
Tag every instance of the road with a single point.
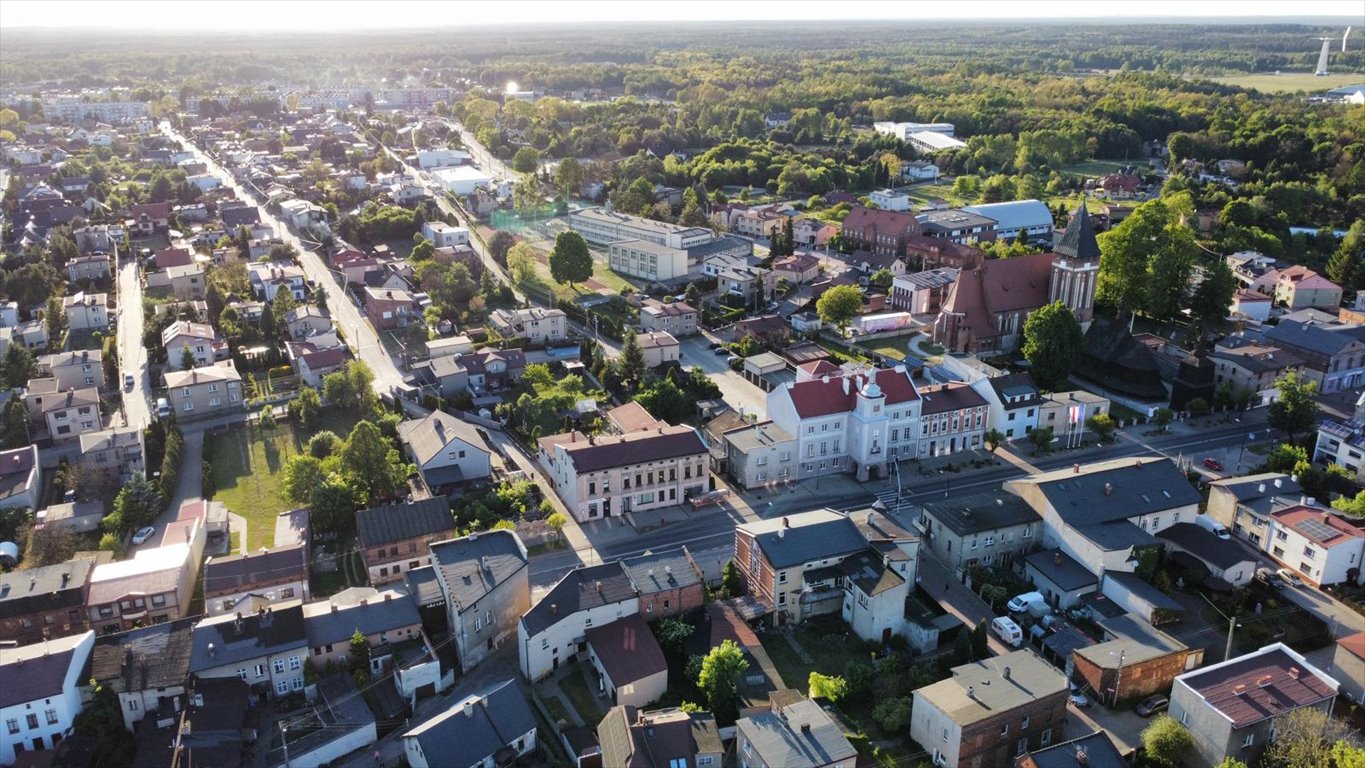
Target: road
<point x="360" y="335"/>
<point x="132" y="355"/>
<point x="481" y="155"/>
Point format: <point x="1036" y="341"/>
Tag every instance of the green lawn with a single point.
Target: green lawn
<point x="557" y="709"/>
<point x="894" y="347"/>
<point x="921" y="195"/>
<point x="581" y="696"/>
<point x="1099" y="167"/>
<point x="1290" y="82"/>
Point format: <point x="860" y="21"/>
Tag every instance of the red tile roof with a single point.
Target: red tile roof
<point x="1295" y="517"/>
<point x="1354" y="643"/>
<point x="1260" y="686"/>
<point x="819" y="397"/>
<point x="893" y="223"/>
<point x="152" y="210"/>
<point x="1000" y="285"/>
<point x="173" y="257"/>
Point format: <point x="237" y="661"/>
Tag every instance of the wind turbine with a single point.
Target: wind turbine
<point x="1322" y="57"/>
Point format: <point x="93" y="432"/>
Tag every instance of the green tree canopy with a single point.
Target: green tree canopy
<point x="1052" y="344"/>
<point x="1166" y="741"/>
<point x="633" y="367"/>
<point x="838" y="305"/>
<point x="570" y="261"/>
<point x="1294" y="411"/>
<point x="720" y="671"/>
<point x="830" y="687"/>
<point x="526" y="160"/>
<point x="368" y="457"/>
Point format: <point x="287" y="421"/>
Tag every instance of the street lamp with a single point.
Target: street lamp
<point x="1232" y="625"/>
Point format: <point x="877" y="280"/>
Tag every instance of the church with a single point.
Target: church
<point x="987" y="306"/>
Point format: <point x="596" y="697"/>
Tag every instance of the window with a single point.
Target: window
<point x="32" y="721"/>
<point x="1047" y="737"/>
<point x="282" y="687"/>
<point x="51" y="715"/>
<point x="12" y="725"/>
<point x="297" y="683"/>
<point x="1023" y="725"/>
<point x="158" y="601"/>
<point x="1248" y="741"/>
<point x="1281" y="536"/>
<point x="294" y="662"/>
<point x="1021" y="747"/>
<point x="132" y="705"/>
<point x="1184" y="718"/>
<point x="945" y="735"/>
<point x="781" y="577"/>
<point x="241" y="673"/>
<point x="260" y="670"/>
<point x="1005" y="729"/>
<point x="1308" y="552"/>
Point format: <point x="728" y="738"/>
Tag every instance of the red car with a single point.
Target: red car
<point x="1213" y="464"/>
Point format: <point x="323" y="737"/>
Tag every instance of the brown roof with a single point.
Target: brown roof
<point x="173" y="257"/>
<point x="635" y="448"/>
<point x="819" y="397"/>
<point x="1333" y="531"/>
<point x="1354" y="643"/>
<point x="632" y="417"/>
<point x="950" y="397"/>
<point x="1259" y="686"/>
<point x="238" y="573"/>
<point x="627" y="650"/>
<point x="939" y="249"/>
<point x="882" y="222"/>
<point x="999" y="285"/>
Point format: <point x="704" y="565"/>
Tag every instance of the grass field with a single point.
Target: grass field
<point x="921" y="195"/>
<point x="894" y="347"/>
<point x="1291" y="82"/>
<point x="575" y="685"/>
<point x="1098" y="167"/>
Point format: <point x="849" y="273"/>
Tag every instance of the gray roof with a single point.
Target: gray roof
<point x="403" y="520"/>
<point x="429" y="437"/>
<point x="579" y="589"/>
<point x="1137" y="640"/>
<point x="1116" y="535"/>
<point x="780" y="739"/>
<point x="1134" y="583"/>
<point x="239" y="573"/>
<point x="1116" y="490"/>
<point x="980" y="690"/>
<point x="796" y="539"/>
<point x="423" y="586"/>
<point x="470" y="567"/>
<point x="45" y="588"/>
<point x="981" y="512"/>
<point x="150" y="657"/>
<point x="1311" y="337"/>
<point x="1249" y="488"/>
<point x="635" y="448"/>
<point x="1061" y="569"/>
<point x="1078" y="241"/>
<point x="476" y="728"/>
<point x="661" y="571"/>
<point x="1015" y="385"/>
<point x="1099" y="752"/>
<point x="1203" y="544"/>
<point x="219" y="640"/>
<point x="335" y="620"/>
<point x="38" y="671"/>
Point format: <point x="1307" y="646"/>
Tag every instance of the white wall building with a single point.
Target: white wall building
<point x="444" y="235"/>
<point x="889" y="200"/>
<point x="553" y="631"/>
<point x="39" y="698"/>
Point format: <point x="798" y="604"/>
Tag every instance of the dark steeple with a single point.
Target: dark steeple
<point x="1078" y="241"/>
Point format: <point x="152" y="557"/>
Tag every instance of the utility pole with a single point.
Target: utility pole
<point x="1227" y="651"/>
<point x="284" y="739"/>
<point x="1118" y="677"/>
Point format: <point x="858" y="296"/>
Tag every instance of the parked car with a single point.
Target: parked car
<point x="163" y="408"/>
<point x="1213" y="464"/>
<point x="1025" y="602"/>
<point x="128" y="381"/>
<point x="1290" y="577"/>
<point x="1152" y="705"/>
<point x="1077" y="698"/>
<point x="143" y="534"/>
<point x="1270" y="579"/>
<point x="720" y="350"/>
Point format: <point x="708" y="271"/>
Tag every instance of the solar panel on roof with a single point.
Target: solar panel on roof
<point x="1318" y="530"/>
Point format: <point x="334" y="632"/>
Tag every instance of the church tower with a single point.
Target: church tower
<point x="1076" y="268"/>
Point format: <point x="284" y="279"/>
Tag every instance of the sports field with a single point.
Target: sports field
<point x="1291" y="82"/>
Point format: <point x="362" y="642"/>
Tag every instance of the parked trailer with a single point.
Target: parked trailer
<point x="707" y="499"/>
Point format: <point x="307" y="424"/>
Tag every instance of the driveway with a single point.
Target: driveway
<point x="694" y="351"/>
<point x="188" y="487"/>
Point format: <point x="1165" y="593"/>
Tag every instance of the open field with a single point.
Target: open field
<point x="1100" y="167"/>
<point x="1291" y="82"/>
<point x="894" y="347"/>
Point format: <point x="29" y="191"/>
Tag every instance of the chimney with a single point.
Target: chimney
<point x="554" y="609"/>
<point x="1261" y="488"/>
<point x="1081" y="757"/>
<point x="845" y="381"/>
<point x="598" y="585"/>
<point x="1278" y="483"/>
<point x="1108" y="489"/>
<point x="388" y="596"/>
<point x="971" y="692"/>
<point x="334" y="607"/>
<point x="483" y="561"/>
<point x="1137" y="464"/>
<point x="1057" y="557"/>
<point x="805" y="728"/>
<point x="213" y="650"/>
<point x="786" y="523"/>
<point x="1294" y="672"/>
<point x="1075" y="469"/>
<point x="1007" y="672"/>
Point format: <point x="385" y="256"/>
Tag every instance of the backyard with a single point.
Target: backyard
<point x="894" y="347"/>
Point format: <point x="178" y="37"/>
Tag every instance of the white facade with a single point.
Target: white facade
<point x="462" y="179"/>
<point x="602" y="226"/>
<point x="37" y="724"/>
<point x="1319" y="560"/>
<point x="889" y="200"/>
<point x="647" y="260"/>
<point x="444" y="235"/>
<point x="537" y="653"/>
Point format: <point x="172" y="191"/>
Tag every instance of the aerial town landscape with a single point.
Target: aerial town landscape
<point x="688" y="385"/>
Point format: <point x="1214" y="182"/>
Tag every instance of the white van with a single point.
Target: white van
<point x="1005" y="628"/>
<point x="1212" y="526"/>
<point x="163" y="408"/>
<point x="1033" y="602"/>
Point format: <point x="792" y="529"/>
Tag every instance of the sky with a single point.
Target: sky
<point x="340" y="15"/>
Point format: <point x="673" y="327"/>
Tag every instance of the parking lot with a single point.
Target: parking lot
<point x="695" y="351"/>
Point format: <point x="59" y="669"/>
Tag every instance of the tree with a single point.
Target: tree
<point x="332" y="505"/>
<point x="1304" y="738"/>
<point x="557" y="521"/>
<point x="839" y="304"/>
<point x="1294" y="411"/>
<point x="570" y="261"/>
<point x="1198" y="406"/>
<point x="1166" y="741"/>
<point x="305" y="406"/>
<point x="692" y="294"/>
<point x="980" y="640"/>
<point x="633" y="367"/>
<point x="1102" y="424"/>
<point x="1041" y="438"/>
<point x="102" y="719"/>
<point x="1353" y="506"/>
<point x="1149" y="248"/>
<point x="830" y="687"/>
<point x="303" y="474"/>
<point x="1162" y="417"/>
<point x="359" y="652"/>
<point x="672" y="633"/>
<point x="1345" y="267"/>
<point x="368" y="458"/>
<point x="893" y="715"/>
<point x="994" y="439"/>
<point x="526" y="160"/>
<point x="1052" y="344"/>
<point x="1231" y="762"/>
<point x="1210" y="301"/>
<point x="17" y="367"/>
<point x="136" y="505"/>
<point x="499" y="244"/>
<point x="569" y="176"/>
<point x="717" y="680"/>
<point x="1287" y="459"/>
<point x="267" y="419"/>
<point x="731" y="579"/>
<point x="14" y="421"/>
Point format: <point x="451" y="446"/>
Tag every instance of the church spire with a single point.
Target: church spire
<point x="1078" y="241"/>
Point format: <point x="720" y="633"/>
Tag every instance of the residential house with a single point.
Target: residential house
<point x="1341" y="443"/>
<point x="45" y="602"/>
<point x="990" y="711"/>
<point x="389" y="617"/>
<point x="444" y="235"/>
<point x="1349" y="662"/>
<point x="271" y="277"/>
<point x="484" y="581"/>
<point x="1224" y="559"/>
<point x="172" y="257"/>
<point x="871" y="262"/>
<point x="856" y="421"/>
<point x="1250" y="305"/>
<point x="1061" y="580"/>
<point x="797" y="269"/>
<point x="390" y="309"/>
<point x="1133" y="661"/>
<point x="237" y="216"/>
<point x="860" y="565"/>
<point x="992" y="528"/>
<point x="1030" y="220"/>
<point x="148" y="668"/>
<point x="629" y="663"/>
<point x="313" y="364"/>
<point x="484" y="729"/>
<point x="72" y="413"/>
<point x="669" y="583"/>
<point x="21" y="478"/>
<point x="986" y="309"/>
<point x="1323" y="547"/>
<point x="155" y="585"/>
<point x="443" y="372"/>
<point x="1298" y="287"/>
<point x="41" y="698"/>
<point x="492" y="369"/>
<point x="1064" y="412"/>
<point x="1099" y="513"/>
<point x="760" y="454"/>
<point x="92" y="267"/>
<point x="202" y="340"/>
<point x="75" y="516"/>
<point x="661" y="738"/>
<point x="394" y="538"/>
<point x="150" y="218"/>
<point x="754" y="284"/>
<point x="447" y="451"/>
<point x="553" y="631"/>
<point x="659" y="348"/>
<point x="878" y="231"/>
<point x="307" y="320"/>
<point x="615" y="475"/>
<point x="1095" y="750"/>
<point x="919" y="170"/>
<point x="1230" y="708"/>
<point x="889" y="200"/>
<point x="798" y="734"/>
<point x="266" y="649"/>
<point x="1243" y="504"/>
<point x="119" y="450"/>
<point x="30" y="333"/>
<point x="1334" y="355"/>
<point x="1249" y="366"/>
<point x="813" y="233"/>
<point x="76" y="369"/>
<point x="952" y="419"/>
<point x="676" y="318"/>
<point x="534" y="324"/>
<point x="922" y="292"/>
<point x="273" y="575"/>
<point x="86" y="311"/>
<point x="187" y="282"/>
<point x="771" y="330"/>
<point x="213" y="390"/>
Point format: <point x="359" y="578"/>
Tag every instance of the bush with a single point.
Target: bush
<point x="206" y="479"/>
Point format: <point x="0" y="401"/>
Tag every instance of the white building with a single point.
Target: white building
<point x="39" y="699"/>
<point x="553" y="631"/>
<point x="610" y="476"/>
<point x="444" y="235"/>
<point x="437" y="158"/>
<point x="603" y="226"/>
<point x="87" y="311"/>
<point x="902" y="130"/>
<point x="73" y="109"/>
<point x="856" y="421"/>
<point x="474" y="730"/>
<point x="462" y="179"/>
<point x="1323" y="547"/>
<point x="647" y="260"/>
<point x="889" y="200"/>
<point x="1029" y="218"/>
